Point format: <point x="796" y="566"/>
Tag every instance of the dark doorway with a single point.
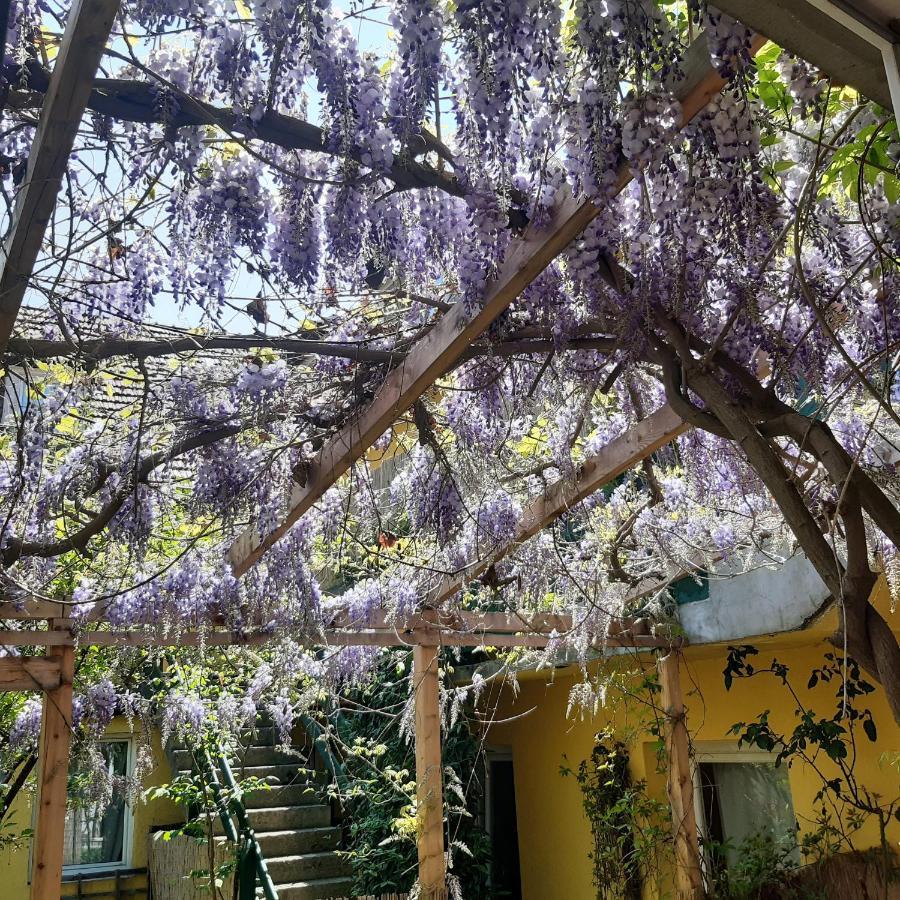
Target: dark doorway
<point x="506" y="882"/>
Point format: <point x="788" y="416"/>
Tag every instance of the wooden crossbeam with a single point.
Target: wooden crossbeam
<point x="375" y="637"/>
<point x="32" y="609"/>
<point x="616" y="457"/>
<point x="29" y="673"/>
<point x="87" y="31"/>
<point x="443" y="346"/>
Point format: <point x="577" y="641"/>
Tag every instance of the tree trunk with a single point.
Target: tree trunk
<point x="869" y="639"/>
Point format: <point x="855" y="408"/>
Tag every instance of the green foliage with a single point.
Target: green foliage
<point x="843" y="803"/>
<point x="762" y="870"/>
<point x="379" y="799"/>
<point x="628" y="827"/>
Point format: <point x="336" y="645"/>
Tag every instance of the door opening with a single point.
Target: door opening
<point x="500" y="812"/>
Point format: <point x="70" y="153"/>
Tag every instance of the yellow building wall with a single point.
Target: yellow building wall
<point x="14" y="861"/>
<point x="554" y="833"/>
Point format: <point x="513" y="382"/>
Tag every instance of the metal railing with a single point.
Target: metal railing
<point x="251" y="864"/>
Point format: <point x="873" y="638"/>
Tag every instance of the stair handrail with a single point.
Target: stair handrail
<point x="249" y="850"/>
<point x="320" y="737"/>
<point x="221" y="805"/>
<point x="253" y="850"/>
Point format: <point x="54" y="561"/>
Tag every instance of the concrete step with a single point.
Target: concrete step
<point x="300" y="840"/>
<point x="306" y="867"/>
<point x="298" y="794"/>
<point x="280" y="774"/>
<point x="317" y="889"/>
<point x="251" y="756"/>
<point x="263" y="735"/>
<point x="285" y="818"/>
<point x="297" y="840"/>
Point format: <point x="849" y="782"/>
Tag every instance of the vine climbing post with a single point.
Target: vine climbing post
<point x="53" y="776"/>
<point x="680" y="785"/>
<point x="429" y="788"/>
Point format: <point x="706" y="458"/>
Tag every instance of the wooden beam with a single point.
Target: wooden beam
<point x="375" y="637"/>
<point x="33" y="609"/>
<point x="29" y="673"/>
<point x="56" y="735"/>
<point x="616" y="457"/>
<point x="680" y="785"/>
<point x="460" y="621"/>
<point x="442" y="347"/>
<point x="87" y="31"/>
<point x="429" y="775"/>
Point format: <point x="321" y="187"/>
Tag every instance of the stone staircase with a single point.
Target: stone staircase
<point x="291" y="819"/>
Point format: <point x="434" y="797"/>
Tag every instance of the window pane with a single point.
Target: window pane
<point x="95" y="832"/>
<point x="753" y="799"/>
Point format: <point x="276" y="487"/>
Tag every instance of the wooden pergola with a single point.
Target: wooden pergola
<point x="431" y="357"/>
<point x="425" y="632"/>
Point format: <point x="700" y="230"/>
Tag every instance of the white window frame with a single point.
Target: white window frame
<point x="128" y="827"/>
<point x="721" y="752"/>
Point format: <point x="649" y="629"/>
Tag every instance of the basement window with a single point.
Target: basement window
<point x="742" y="798"/>
<point x="98" y="829"/>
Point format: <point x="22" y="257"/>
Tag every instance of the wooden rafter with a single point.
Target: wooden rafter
<point x="87" y="31"/>
<point x="437" y="351"/>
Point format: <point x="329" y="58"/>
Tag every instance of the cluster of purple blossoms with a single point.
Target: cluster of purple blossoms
<point x="183" y="714"/>
<point x="497" y="519"/>
<point x="430" y="496"/>
<point x="414" y="81"/>
<point x="27" y="726"/>
<point x="283" y="716"/>
<point x="803" y="84"/>
<point x="648" y="123"/>
<point x="260" y="380"/>
<point x="733" y="121"/>
<point x="296" y="239"/>
<point x="729" y="44"/>
<point x="230" y="205"/>
<point x="101" y="703"/>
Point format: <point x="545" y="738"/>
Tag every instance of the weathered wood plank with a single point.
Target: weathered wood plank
<point x="680" y="786"/>
<point x="32" y="609"/>
<point x="29" y="673"/>
<point x="375" y="637"/>
<point x="56" y="733"/>
<point x="443" y="346"/>
<point x="87" y="31"/>
<point x="429" y="775"/>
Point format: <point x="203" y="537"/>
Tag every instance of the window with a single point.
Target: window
<point x="98" y="833"/>
<point x="741" y="796"/>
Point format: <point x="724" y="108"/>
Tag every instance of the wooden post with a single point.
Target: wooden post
<point x="53" y="776"/>
<point x="429" y="787"/>
<point x="680" y="785"/>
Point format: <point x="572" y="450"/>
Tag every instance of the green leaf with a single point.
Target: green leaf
<point x="870" y="730"/>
